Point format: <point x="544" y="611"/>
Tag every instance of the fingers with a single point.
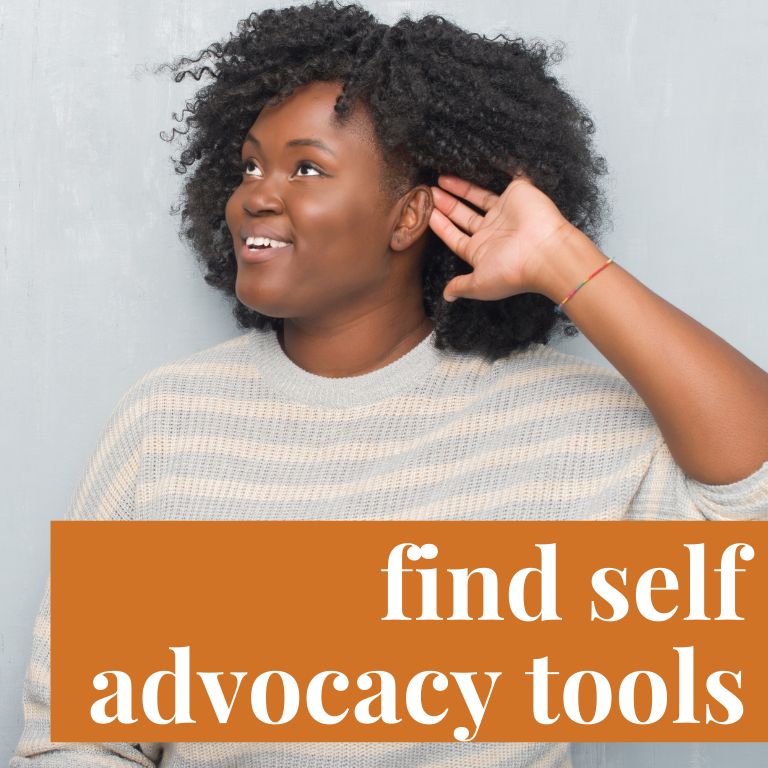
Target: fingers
<point x="456" y="211"/>
<point x="453" y="237"/>
<point x="462" y="286"/>
<point x="458" y="242"/>
<point x="478" y="196"/>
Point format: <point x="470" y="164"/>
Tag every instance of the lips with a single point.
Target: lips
<point x="259" y="230"/>
<point x="262" y="243"/>
<point x="257" y="255"/>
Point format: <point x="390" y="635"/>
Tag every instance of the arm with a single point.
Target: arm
<point x="709" y="401"/>
<point x="106" y="492"/>
<point x="35" y="749"/>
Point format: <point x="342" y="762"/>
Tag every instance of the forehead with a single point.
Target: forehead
<point x="309" y="113"/>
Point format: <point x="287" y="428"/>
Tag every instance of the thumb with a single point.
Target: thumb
<point x="462" y="286"/>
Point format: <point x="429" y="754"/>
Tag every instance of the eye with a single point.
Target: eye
<point x="307" y="169"/>
<point x="251" y="169"/>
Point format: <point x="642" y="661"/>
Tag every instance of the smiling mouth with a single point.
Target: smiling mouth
<point x="262" y="243"/>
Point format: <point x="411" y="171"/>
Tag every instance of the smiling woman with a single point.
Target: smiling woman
<point x="425" y="97"/>
<point x="402" y="215"/>
<point x="349" y="251"/>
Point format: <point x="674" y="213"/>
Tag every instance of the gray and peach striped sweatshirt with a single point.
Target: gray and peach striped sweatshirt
<point x="239" y="432"/>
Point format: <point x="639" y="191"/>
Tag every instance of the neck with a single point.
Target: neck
<point x="358" y="345"/>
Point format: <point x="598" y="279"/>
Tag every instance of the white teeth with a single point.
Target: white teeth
<point x="255" y="241"/>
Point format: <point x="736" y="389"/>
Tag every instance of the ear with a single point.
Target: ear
<point x="415" y="211"/>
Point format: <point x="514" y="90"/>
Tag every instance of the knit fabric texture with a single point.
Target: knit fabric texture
<point x="239" y="432"/>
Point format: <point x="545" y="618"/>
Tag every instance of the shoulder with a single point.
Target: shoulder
<point x="564" y="375"/>
<point x="548" y="386"/>
<point x="210" y="372"/>
<point x="539" y="366"/>
<point x="228" y="359"/>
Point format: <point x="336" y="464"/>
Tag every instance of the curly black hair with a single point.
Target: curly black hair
<point x="441" y="99"/>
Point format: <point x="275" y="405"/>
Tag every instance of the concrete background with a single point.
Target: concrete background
<point x="96" y="288"/>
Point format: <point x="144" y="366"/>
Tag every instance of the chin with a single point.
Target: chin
<point x="271" y="304"/>
<point x="269" y="309"/>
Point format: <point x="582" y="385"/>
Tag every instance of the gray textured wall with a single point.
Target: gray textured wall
<point x="96" y="288"/>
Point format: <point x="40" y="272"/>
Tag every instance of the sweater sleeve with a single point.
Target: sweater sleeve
<point x="667" y="493"/>
<point x="106" y="491"/>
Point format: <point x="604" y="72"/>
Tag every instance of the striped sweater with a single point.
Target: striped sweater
<point x="239" y="432"/>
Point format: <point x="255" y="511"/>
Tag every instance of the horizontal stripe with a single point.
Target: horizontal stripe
<point x="245" y="371"/>
<point x="524" y="494"/>
<point x="158" y="444"/>
<point x="421" y="476"/>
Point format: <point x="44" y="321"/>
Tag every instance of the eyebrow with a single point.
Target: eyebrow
<point x="311" y="143"/>
<point x="296" y="143"/>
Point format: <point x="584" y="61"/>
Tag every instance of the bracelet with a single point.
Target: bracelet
<point x="559" y="307"/>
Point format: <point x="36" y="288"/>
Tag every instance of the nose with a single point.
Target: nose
<point x="264" y="198"/>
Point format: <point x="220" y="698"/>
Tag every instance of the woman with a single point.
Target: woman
<point x="397" y="213"/>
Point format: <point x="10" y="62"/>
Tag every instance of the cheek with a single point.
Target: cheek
<point x="343" y="224"/>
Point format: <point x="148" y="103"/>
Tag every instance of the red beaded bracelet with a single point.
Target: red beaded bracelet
<point x="559" y="307"/>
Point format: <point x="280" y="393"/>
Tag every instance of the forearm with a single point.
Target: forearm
<point x="710" y="402"/>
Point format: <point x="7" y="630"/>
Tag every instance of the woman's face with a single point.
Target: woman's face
<point x="313" y="190"/>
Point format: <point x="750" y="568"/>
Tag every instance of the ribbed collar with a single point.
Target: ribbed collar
<point x="282" y="375"/>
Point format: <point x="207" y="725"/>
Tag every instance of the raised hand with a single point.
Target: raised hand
<point x="709" y="401"/>
<point x="509" y="247"/>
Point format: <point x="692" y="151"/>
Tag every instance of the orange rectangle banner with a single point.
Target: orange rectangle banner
<point x="408" y="631"/>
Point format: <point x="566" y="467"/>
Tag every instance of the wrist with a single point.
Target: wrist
<point x="565" y="261"/>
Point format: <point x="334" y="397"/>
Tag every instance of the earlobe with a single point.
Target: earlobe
<point x="414" y="217"/>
